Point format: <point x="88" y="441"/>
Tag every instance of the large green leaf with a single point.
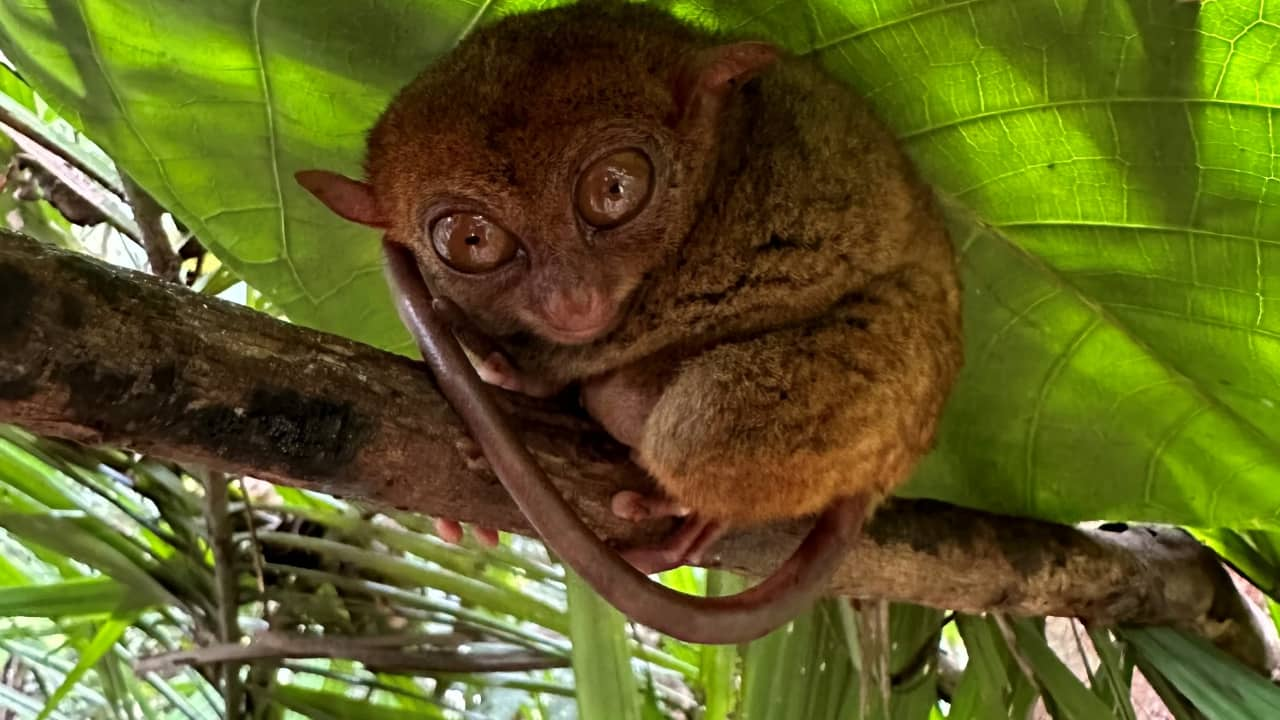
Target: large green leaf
<point x="1109" y="167"/>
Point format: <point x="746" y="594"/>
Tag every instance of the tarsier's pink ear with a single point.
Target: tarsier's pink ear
<point x="348" y="198"/>
<point x="708" y="77"/>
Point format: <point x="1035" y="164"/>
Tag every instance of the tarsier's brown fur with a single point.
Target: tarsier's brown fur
<point x="788" y="308"/>
<point x="804" y="266"/>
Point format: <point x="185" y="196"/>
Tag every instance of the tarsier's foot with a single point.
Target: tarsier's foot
<point x="684" y="546"/>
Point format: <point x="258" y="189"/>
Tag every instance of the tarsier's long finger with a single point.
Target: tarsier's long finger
<point x="471" y="338"/>
<point x="492" y="364"/>
<point x="473" y="455"/>
<point x="496" y="370"/>
<point x="637" y="507"/>
<point x="684" y="546"/>
<point x="451" y="531"/>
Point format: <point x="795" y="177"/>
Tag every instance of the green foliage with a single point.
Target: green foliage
<point x="1203" y="674"/>
<point x="601" y="660"/>
<point x="992" y="685"/>
<point x="1110" y="173"/>
<point x="1073" y="700"/>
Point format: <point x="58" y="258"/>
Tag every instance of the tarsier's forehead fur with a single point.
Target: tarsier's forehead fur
<point x="505" y="124"/>
<point x="491" y="93"/>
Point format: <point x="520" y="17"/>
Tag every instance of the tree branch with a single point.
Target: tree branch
<point x="104" y="355"/>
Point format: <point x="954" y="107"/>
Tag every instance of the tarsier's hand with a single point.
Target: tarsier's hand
<point x="492" y="365"/>
<point x="451" y="530"/>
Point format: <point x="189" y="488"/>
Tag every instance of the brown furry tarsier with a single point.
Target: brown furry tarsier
<point x="721" y="247"/>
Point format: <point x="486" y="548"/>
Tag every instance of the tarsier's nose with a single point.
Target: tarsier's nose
<point x="578" y="314"/>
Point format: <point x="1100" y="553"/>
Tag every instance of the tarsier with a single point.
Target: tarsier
<point x="720" y="247"/>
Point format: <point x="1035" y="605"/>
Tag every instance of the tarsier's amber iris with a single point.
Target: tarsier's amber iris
<point x="472" y="243"/>
<point x="615" y="188"/>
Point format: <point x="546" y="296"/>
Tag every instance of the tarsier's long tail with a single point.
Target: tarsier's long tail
<point x="715" y="620"/>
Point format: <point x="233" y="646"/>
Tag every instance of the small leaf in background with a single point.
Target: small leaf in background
<point x="1215" y="683"/>
<point x="1113" y="681"/>
<point x="991" y="686"/>
<point x="69" y="598"/>
<point x="1061" y="687"/>
<point x="601" y="658"/>
<point x="718" y="664"/>
<point x="101" y="645"/>
<point x="323" y="706"/>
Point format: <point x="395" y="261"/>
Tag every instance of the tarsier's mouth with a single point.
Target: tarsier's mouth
<point x="581" y="334"/>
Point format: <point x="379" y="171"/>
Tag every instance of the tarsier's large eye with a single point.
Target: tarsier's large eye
<point x="472" y="243"/>
<point x="614" y="188"/>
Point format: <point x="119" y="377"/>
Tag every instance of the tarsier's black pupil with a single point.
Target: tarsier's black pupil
<point x="472" y="240"/>
<point x="615" y="189"/>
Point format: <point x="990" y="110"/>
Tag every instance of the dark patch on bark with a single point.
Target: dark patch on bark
<point x="17" y="296"/>
<point x="860" y="298"/>
<point x="164" y="379"/>
<point x="20" y="387"/>
<point x="70" y="310"/>
<point x="100" y="281"/>
<point x="304" y="436"/>
<point x="857" y="322"/>
<point x="922" y="537"/>
<point x="1031" y="548"/>
<point x="95" y="391"/>
<point x="310" y="436"/>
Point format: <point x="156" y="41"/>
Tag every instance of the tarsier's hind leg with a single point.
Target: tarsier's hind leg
<point x="784" y="424"/>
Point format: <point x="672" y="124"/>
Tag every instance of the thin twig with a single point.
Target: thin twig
<point x="255" y="552"/>
<point x="215" y="508"/>
<point x="34" y="135"/>
<point x="148" y="214"/>
<point x="112" y="206"/>
<point x="385" y="653"/>
<point x="1011" y="641"/>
